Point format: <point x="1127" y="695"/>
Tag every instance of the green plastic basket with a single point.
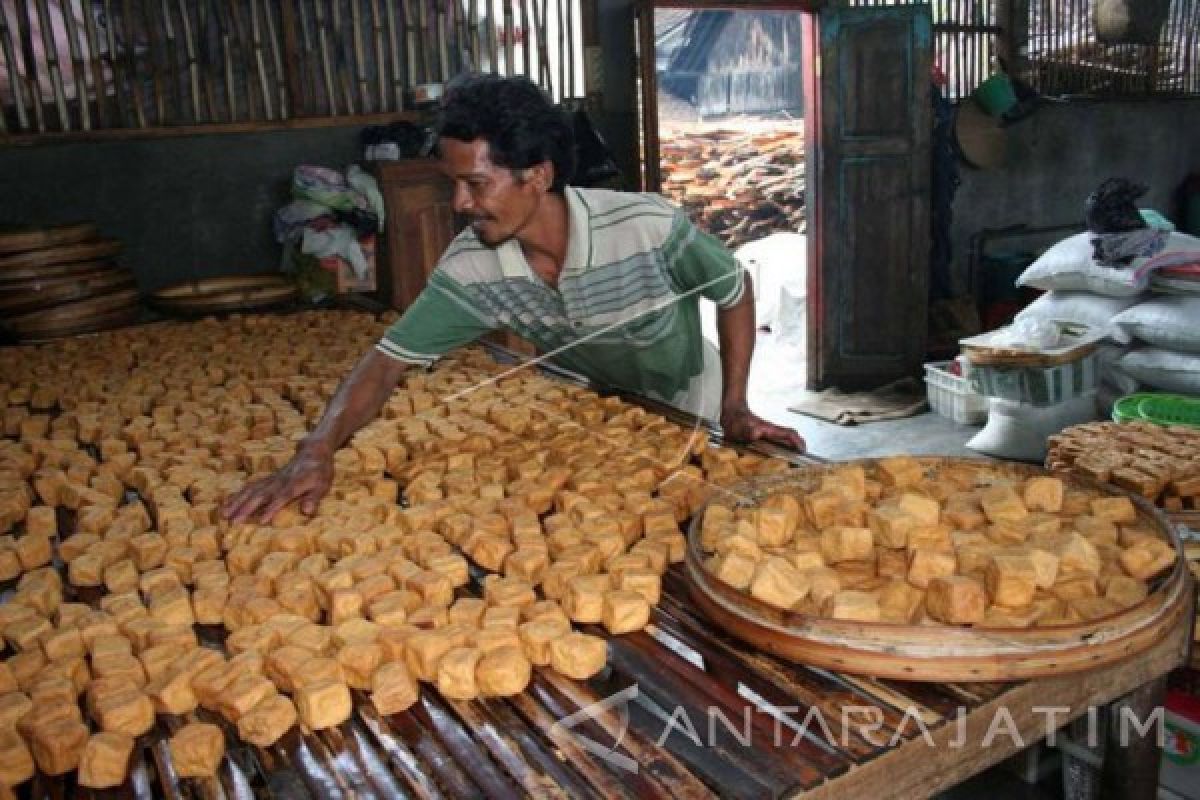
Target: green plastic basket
<point x="1126" y="409"/>
<point x="1170" y="409"/>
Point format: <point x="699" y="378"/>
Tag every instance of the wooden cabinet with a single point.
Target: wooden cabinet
<point x="420" y="224"/>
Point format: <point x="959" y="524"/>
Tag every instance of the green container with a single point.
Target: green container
<point x="1126" y="409"/>
<point x="996" y="95"/>
<point x="1170" y="409"/>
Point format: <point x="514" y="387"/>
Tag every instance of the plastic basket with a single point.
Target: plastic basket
<point x="1170" y="409"/>
<point x="1126" y="409"/>
<point x="952" y="397"/>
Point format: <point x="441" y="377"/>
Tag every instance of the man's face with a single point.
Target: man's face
<point x="497" y="201"/>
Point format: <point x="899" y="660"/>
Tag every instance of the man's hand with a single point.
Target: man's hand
<point x="306" y="477"/>
<point x="740" y="424"/>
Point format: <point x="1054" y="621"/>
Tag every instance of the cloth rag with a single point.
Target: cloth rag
<point x="903" y="398"/>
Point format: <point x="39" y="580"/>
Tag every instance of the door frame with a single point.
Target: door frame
<point x="650" y="174"/>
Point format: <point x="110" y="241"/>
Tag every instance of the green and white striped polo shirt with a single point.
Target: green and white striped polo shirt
<point x="625" y="312"/>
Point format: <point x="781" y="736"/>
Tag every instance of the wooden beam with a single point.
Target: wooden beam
<point x="963" y="747"/>
<point x="1131" y="759"/>
<point x="127" y="134"/>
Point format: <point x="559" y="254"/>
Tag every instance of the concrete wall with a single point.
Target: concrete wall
<point x="186" y="208"/>
<point x="1059" y="155"/>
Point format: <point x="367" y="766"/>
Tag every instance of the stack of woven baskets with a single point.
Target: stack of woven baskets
<point x="62" y="281"/>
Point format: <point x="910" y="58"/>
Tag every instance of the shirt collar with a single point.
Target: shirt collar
<point x="512" y="260"/>
<point x="579" y="239"/>
<point x="579" y="232"/>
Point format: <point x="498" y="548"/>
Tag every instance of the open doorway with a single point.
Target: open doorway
<point x="723" y="137"/>
<point x="860" y="181"/>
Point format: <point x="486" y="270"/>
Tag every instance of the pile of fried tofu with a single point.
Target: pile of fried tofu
<point x="1160" y="463"/>
<point x="906" y="542"/>
<point x="491" y="522"/>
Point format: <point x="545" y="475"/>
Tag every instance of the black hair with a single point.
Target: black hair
<point x="520" y="123"/>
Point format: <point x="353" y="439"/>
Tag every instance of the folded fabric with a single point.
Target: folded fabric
<point x="336" y="241"/>
<point x="903" y="398"/>
<point x="1119" y="249"/>
<point x="328" y="187"/>
<point x="289" y="221"/>
<point x="362" y="181"/>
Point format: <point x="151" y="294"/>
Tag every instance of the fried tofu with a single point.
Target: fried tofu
<point x="197" y="749"/>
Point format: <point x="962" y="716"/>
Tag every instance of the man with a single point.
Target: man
<point x="604" y="283"/>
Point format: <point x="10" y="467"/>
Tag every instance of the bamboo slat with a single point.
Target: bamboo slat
<point x="14" y="71"/>
<point x="225" y="34"/>
<point x="508" y="38"/>
<point x="177" y="63"/>
<point x="493" y="51"/>
<point x="526" y="43"/>
<point x="378" y="36"/>
<point x="192" y="65"/>
<point x="155" y="61"/>
<point x="129" y="45"/>
<point x="443" y="33"/>
<point x="114" y="66"/>
<point x="281" y="85"/>
<point x="462" y="37"/>
<point x="563" y="44"/>
<point x="172" y="56"/>
<point x="408" y="36"/>
<point x="260" y="61"/>
<point x="326" y="64"/>
<point x="25" y="34"/>
<point x="79" y="73"/>
<point x="568" y="88"/>
<point x="428" y="51"/>
<point x="50" y="45"/>
<point x="340" y="60"/>
<point x="541" y="9"/>
<point x="311" y="76"/>
<point x="472" y="44"/>
<point x="394" y="43"/>
<point x="245" y="48"/>
<point x="360" y="66"/>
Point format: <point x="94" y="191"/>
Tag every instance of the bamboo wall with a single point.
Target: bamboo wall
<point x="71" y="65"/>
<point x="1063" y="56"/>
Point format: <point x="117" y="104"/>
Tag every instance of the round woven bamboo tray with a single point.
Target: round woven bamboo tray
<point x="18" y="241"/>
<point x="33" y="277"/>
<point x="48" y="294"/>
<point x="38" y="322"/>
<point x="235" y="292"/>
<point x="942" y="653"/>
<point x="108" y="320"/>
<point x="60" y="254"/>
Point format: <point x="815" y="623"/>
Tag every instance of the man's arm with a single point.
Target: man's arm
<point x="309" y="474"/>
<point x="736" y="332"/>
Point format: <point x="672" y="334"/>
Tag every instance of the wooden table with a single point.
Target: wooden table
<point x="678" y="713"/>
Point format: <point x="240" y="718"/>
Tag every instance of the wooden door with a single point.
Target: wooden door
<point x="867" y="102"/>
